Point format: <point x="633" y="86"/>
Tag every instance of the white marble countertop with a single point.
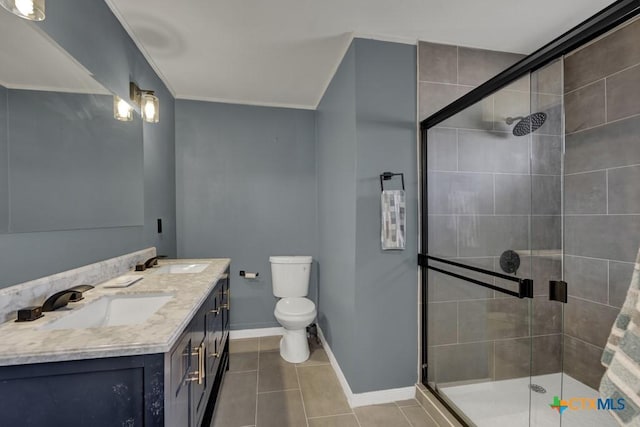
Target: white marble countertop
<point x="26" y="343"/>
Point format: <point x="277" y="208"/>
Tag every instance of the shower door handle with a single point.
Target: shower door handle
<point x="558" y="291"/>
<point x="525" y="286"/>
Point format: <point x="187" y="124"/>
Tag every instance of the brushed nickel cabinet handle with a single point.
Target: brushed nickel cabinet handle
<point x="199" y="374"/>
<point x="201" y="354"/>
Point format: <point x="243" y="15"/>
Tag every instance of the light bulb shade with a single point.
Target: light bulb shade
<point x="150" y="106"/>
<point x="122" y="110"/>
<point x="33" y="10"/>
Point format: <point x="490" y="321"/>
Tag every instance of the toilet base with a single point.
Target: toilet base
<point x="294" y="347"/>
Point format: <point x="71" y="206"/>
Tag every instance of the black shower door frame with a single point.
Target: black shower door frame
<point x="605" y="20"/>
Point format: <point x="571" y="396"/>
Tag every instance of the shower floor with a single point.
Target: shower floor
<point x="506" y="403"/>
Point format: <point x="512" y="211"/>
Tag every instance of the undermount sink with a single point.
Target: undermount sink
<point x="113" y="310"/>
<point x="182" y="268"/>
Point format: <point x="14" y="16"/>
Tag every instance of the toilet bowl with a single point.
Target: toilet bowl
<point x="290" y="280"/>
<point x="295" y="314"/>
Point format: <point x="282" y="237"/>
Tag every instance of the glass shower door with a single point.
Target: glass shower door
<point x="480" y="218"/>
<point x="547" y="147"/>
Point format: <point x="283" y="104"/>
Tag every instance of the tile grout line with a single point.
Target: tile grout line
<point x="329" y="416"/>
<point x="431" y="82"/>
<point x="606" y="188"/>
<point x="357" y="419"/>
<point x="608" y="282"/>
<point x="588" y="171"/>
<point x="600" y="259"/>
<point x="633" y="116"/>
<point x="410" y="424"/>
<point x="457" y="64"/>
<point x="506" y="132"/>
<point x="593" y="302"/>
<point x="304" y="409"/>
<point x="507" y="339"/>
<point x="493" y="360"/>
<point x="586" y="85"/>
<point x="278" y="391"/>
<point x="493" y="175"/>
<point x="457" y="322"/>
<point x="573" y="337"/>
<point x="603" y="78"/>
<point x="457" y="151"/>
<point x="606" y="113"/>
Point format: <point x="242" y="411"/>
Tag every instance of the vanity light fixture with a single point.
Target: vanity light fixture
<point x="122" y="110"/>
<point x="33" y="10"/>
<point x="147" y="101"/>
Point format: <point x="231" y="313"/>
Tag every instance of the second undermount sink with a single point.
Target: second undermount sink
<point x="182" y="268"/>
<point x="112" y="310"/>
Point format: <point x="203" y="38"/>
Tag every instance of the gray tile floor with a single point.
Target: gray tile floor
<point x="263" y="390"/>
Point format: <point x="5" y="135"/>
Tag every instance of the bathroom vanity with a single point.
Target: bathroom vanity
<point x="165" y="370"/>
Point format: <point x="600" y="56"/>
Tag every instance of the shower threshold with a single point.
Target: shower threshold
<point x="506" y="403"/>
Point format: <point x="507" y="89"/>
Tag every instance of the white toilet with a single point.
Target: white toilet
<point x="290" y="279"/>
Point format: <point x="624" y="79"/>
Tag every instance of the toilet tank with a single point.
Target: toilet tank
<point x="290" y="275"/>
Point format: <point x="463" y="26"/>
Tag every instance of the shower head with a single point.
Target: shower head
<point x="528" y="124"/>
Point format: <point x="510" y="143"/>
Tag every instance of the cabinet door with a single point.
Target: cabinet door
<point x="179" y="413"/>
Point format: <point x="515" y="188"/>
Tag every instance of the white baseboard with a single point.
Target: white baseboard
<point x="255" y="333"/>
<point x="370" y="398"/>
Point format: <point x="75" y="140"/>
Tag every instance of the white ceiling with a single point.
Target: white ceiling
<point x="284" y="52"/>
<point x="29" y="59"/>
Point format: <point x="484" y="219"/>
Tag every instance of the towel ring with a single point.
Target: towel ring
<point x="386" y="176"/>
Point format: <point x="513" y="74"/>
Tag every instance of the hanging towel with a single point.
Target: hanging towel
<point x="621" y="357"/>
<point x="393" y="219"/>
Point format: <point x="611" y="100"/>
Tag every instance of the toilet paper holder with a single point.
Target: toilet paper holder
<point x="249" y="275"/>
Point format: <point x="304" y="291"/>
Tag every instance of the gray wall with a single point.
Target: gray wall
<point x="336" y="157"/>
<point x="602" y="200"/>
<point x="366" y="124"/>
<point x="246" y="189"/>
<point x="4" y="165"/>
<point x="91" y="34"/>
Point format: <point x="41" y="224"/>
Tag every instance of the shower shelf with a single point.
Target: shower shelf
<point x="525" y="286"/>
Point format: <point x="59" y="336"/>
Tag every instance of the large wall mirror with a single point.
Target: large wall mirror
<point x="65" y="161"/>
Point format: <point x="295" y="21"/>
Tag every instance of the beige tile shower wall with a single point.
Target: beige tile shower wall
<point x="602" y="192"/>
<point x="479" y="201"/>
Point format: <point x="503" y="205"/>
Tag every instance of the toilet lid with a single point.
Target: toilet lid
<point x="295" y="306"/>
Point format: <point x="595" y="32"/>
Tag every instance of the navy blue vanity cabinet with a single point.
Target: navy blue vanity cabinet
<point x="175" y="389"/>
<point x="205" y="359"/>
<point x="119" y="391"/>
